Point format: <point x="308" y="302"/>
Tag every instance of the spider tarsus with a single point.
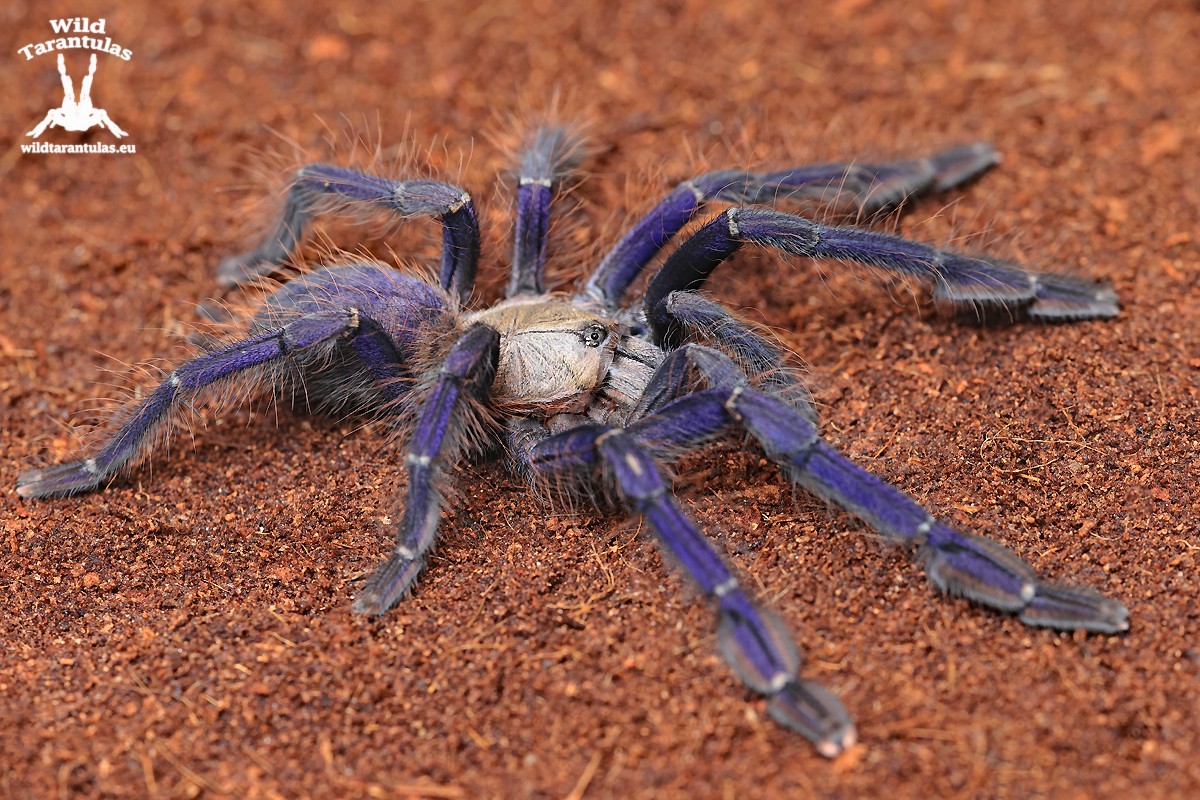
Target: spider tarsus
<point x="815" y="713"/>
<point x="1075" y="608"/>
<point x="387" y="585"/>
<point x="959" y="165"/>
<point x="60" y="480"/>
<point x="1065" y="298"/>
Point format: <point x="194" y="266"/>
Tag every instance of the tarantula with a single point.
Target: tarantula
<point x="580" y="391"/>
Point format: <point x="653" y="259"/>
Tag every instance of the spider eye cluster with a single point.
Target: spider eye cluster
<point x="594" y="335"/>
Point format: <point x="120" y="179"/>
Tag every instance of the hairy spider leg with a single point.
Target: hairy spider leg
<point x="956" y="277"/>
<point x="867" y="188"/>
<point x="306" y="334"/>
<point x="319" y="189"/>
<point x="957" y="563"/>
<point x="753" y="641"/>
<point x="699" y="317"/>
<point x="465" y="378"/>
<point x="675" y="377"/>
<point x="550" y="156"/>
<point x="312" y="334"/>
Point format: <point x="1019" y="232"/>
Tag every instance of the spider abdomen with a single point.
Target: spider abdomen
<point x="402" y="324"/>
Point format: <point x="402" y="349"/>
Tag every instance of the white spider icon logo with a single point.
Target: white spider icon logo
<point x="78" y="115"/>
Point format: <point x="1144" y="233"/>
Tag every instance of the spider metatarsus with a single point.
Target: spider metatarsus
<point x="582" y="392"/>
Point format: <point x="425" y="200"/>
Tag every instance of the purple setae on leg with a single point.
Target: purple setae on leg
<point x="691" y="316"/>
<point x="551" y="154"/>
<point x="956" y="277"/>
<point x="305" y="335"/>
<point x="323" y="188"/>
<point x="865" y="188"/>
<point x="958" y="563"/>
<point x="868" y="188"/>
<point x="466" y="375"/>
<point x="754" y="642"/>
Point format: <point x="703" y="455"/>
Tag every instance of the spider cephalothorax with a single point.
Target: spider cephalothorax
<point x="585" y="391"/>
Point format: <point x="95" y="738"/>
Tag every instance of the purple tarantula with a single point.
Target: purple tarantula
<point x="583" y="392"/>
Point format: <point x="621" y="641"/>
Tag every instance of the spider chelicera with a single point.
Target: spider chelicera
<point x="582" y="392"/>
